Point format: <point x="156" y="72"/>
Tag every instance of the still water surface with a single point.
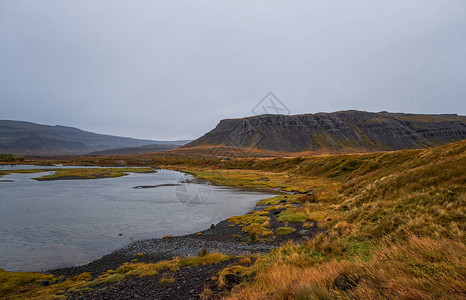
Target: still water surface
<point x="51" y="224"/>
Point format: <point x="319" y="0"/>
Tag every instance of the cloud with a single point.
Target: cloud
<point x="172" y="70"/>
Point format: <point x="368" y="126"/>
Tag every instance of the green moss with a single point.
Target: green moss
<point x="167" y="280"/>
<point x="292" y="216"/>
<point x="253" y="224"/>
<point x="271" y="201"/>
<point x="267" y="233"/>
<point x="21" y="171"/>
<point x="12" y="282"/>
<point x="284" y="230"/>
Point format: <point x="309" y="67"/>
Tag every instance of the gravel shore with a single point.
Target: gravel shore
<point x="224" y="237"/>
<point x="217" y="239"/>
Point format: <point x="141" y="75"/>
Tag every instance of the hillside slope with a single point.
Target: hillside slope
<point x="394" y="225"/>
<point x="338" y="131"/>
<point x="136" y="150"/>
<point x="26" y="138"/>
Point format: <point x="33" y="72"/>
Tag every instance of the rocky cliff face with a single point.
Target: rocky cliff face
<point x="338" y="131"/>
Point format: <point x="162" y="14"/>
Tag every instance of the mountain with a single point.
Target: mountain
<point x="136" y="150"/>
<point x="337" y="131"/>
<point x="24" y="138"/>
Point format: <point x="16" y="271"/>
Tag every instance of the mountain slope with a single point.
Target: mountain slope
<point x="136" y="150"/>
<point x="338" y="131"/>
<point x="26" y="138"/>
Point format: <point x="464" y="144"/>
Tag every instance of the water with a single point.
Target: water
<point x="51" y="224"/>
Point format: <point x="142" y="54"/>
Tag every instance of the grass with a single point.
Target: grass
<point x="20" y="172"/>
<point x="419" y="268"/>
<point x="394" y="225"/>
<point x="148" y="269"/>
<point x="284" y="230"/>
<point x="166" y="279"/>
<point x="394" y="221"/>
<point x="13" y="282"/>
<point x="292" y="216"/>
<point x="254" y="224"/>
<point x="25" y="285"/>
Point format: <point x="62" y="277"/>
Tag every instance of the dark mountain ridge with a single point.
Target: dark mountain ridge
<point x="25" y="138"/>
<point x="337" y="131"/>
<point x="136" y="150"/>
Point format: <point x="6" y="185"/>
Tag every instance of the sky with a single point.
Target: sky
<point x="173" y="69"/>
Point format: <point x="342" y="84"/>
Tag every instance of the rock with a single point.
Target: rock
<point x="381" y="131"/>
<point x="282" y="201"/>
<point x="263" y="179"/>
<point x="212" y="226"/>
<point x="304" y="232"/>
<point x="232" y="278"/>
<point x="276" y="212"/>
<point x="44" y="283"/>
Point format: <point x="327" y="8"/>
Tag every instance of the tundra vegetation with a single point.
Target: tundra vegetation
<point x="10" y="158"/>
<point x="393" y="227"/>
<point x="30" y="285"/>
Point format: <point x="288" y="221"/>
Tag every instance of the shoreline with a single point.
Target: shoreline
<point x="119" y="249"/>
<point x="224" y="237"/>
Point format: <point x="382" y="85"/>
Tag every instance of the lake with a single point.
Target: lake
<point x="51" y="224"/>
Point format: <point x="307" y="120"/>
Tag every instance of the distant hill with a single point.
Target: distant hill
<point x="24" y="138"/>
<point x="336" y="132"/>
<point x="136" y="150"/>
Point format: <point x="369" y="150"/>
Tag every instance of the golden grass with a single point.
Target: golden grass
<point x="13" y="282"/>
<point x="27" y="171"/>
<point x="254" y="224"/>
<point x="148" y="270"/>
<point x="394" y="223"/>
<point x="166" y="279"/>
<point x="284" y="230"/>
<point x="420" y="268"/>
<point x="292" y="215"/>
<point x="24" y="285"/>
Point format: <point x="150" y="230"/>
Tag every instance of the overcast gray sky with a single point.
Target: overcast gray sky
<point x="173" y="69"/>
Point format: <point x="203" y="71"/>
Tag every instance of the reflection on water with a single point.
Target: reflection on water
<point x="50" y="224"/>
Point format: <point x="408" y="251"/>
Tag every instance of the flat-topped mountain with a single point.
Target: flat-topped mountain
<point x="24" y="138"/>
<point x="338" y="131"/>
